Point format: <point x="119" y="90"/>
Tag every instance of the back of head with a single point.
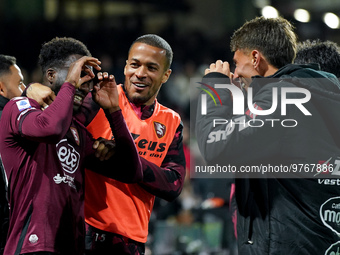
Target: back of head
<point x="57" y="51"/>
<point x="273" y="37"/>
<point x="5" y="63"/>
<point x="326" y="54"/>
<point x="158" y="42"/>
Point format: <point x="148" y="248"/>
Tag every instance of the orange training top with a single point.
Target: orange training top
<point x="122" y="208"/>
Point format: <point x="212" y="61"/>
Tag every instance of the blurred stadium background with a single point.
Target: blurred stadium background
<point x="199" y="33"/>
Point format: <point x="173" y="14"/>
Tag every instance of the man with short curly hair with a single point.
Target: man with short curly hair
<point x="55" y="57"/>
<point x="45" y="151"/>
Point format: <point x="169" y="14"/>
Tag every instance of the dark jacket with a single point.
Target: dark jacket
<point x="295" y="209"/>
<point x="3" y="102"/>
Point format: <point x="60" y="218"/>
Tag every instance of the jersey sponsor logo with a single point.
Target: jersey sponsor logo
<point x="334" y="249"/>
<point x="149" y="148"/>
<point x="330" y="214"/>
<point x="68" y="156"/>
<point x="64" y="179"/>
<point x="330" y="182"/>
<point x="151" y="145"/>
<point x="23" y="104"/>
<point x="159" y="128"/>
<point x="74" y="132"/>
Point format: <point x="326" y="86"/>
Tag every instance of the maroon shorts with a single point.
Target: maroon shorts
<point x="99" y="242"/>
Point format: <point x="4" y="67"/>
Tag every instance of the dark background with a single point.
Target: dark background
<point x="199" y="32"/>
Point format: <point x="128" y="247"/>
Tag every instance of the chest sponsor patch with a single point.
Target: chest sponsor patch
<point x="58" y="179"/>
<point x="330" y="214"/>
<point x="334" y="249"/>
<point x="68" y="156"/>
<point x="160" y="129"/>
<point x="23" y="104"/>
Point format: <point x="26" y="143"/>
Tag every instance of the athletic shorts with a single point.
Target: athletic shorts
<point x="99" y="242"/>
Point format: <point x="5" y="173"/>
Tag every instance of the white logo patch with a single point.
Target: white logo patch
<point x="68" y="156"/>
<point x="23" y="104"/>
<point x="334" y="249"/>
<point x="64" y="179"/>
<point x="330" y="214"/>
<point x="33" y="238"/>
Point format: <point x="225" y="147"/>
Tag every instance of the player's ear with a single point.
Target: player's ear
<point x="3" y="89"/>
<point x="51" y="75"/>
<point x="126" y="63"/>
<point x="256" y="57"/>
<point x="166" y="75"/>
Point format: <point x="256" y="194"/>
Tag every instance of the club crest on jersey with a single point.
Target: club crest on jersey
<point x="74" y="132"/>
<point x="159" y="128"/>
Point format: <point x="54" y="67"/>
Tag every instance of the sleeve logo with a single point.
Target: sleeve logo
<point x="23" y="104"/>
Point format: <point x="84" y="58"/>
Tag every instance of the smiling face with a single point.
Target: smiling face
<point x="244" y="69"/>
<point x="145" y="73"/>
<point x="11" y="84"/>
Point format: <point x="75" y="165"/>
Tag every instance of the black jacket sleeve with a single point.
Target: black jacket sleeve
<point x="224" y="138"/>
<point x="166" y="181"/>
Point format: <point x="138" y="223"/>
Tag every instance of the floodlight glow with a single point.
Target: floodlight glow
<point x="331" y="20"/>
<point x="269" y="12"/>
<point x="302" y="15"/>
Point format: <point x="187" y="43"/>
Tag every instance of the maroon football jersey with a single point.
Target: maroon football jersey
<point x="42" y="156"/>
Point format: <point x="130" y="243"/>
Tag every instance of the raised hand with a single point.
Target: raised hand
<point x="220" y="67"/>
<point x="105" y="92"/>
<point x="83" y="64"/>
<point x="40" y="93"/>
<point x="105" y="149"/>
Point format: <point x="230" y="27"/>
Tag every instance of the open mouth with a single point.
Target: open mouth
<point x="140" y="85"/>
<point x="78" y="99"/>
